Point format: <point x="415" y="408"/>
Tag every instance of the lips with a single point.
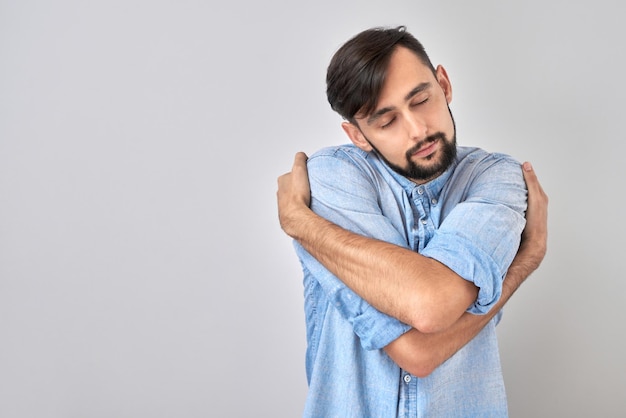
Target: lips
<point x="427" y="149"/>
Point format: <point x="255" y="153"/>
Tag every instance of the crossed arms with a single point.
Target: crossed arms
<point x="440" y="326"/>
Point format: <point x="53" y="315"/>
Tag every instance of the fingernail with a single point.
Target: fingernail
<point x="528" y="166"/>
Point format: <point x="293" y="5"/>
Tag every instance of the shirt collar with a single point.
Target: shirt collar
<point x="433" y="187"/>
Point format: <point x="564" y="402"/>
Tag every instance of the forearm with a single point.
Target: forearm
<point x="420" y="353"/>
<point x="399" y="282"/>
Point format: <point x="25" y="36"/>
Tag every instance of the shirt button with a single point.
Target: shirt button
<point x="407" y="378"/>
<point x="420" y="190"/>
<point x="424" y="221"/>
<point x="433" y="201"/>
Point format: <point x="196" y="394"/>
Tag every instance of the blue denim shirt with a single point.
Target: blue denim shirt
<point x="470" y="218"/>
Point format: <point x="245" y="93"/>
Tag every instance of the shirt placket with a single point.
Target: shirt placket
<point x="423" y="227"/>
<point x="408" y="396"/>
<point x="423" y="230"/>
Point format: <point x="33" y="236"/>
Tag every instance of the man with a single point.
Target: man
<point x="407" y="244"/>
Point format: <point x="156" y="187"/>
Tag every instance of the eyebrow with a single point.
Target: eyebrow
<point x="380" y="112"/>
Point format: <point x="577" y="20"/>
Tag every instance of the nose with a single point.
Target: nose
<point x="415" y="127"/>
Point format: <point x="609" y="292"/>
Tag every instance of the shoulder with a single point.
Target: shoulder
<point x="473" y="155"/>
<point x="476" y="162"/>
<point x="342" y="160"/>
<point x="346" y="153"/>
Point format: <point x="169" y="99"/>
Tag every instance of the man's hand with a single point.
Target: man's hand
<point x="293" y="194"/>
<point x="535" y="236"/>
<point x="534" y="243"/>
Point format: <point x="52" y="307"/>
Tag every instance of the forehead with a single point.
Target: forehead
<point x="405" y="70"/>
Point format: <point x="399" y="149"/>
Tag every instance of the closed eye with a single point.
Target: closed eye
<point x="388" y="124"/>
<point x="414" y="104"/>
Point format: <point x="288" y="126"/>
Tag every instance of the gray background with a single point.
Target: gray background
<point x="142" y="269"/>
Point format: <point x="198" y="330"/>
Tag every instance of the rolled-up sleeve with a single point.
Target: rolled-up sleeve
<point x="480" y="236"/>
<point x="344" y="191"/>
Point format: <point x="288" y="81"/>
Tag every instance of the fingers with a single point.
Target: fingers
<point x="535" y="191"/>
<point x="294" y="185"/>
<point x="299" y="162"/>
<point x="530" y="177"/>
<point x="293" y="195"/>
<point x="300" y="157"/>
<point x="536" y="230"/>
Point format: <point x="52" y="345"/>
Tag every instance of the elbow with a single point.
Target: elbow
<point x="416" y="353"/>
<point x="421" y="371"/>
<point x="421" y="366"/>
<point x="440" y="309"/>
<point x="428" y="326"/>
<point x="431" y="322"/>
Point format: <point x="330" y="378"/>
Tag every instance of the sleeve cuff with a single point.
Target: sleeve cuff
<point x="472" y="264"/>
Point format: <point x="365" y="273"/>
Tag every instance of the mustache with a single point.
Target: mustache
<point x="427" y="140"/>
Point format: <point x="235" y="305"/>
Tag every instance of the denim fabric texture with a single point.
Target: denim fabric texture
<point x="470" y="218"/>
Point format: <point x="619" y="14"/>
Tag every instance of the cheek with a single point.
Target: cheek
<point x="446" y="122"/>
<point x="398" y="156"/>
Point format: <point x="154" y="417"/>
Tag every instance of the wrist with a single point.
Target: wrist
<point x="293" y="220"/>
<point x="532" y="253"/>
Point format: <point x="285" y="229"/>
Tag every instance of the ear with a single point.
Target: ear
<point x="356" y="136"/>
<point x="444" y="82"/>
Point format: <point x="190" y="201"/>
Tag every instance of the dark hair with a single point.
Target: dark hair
<point x="357" y="71"/>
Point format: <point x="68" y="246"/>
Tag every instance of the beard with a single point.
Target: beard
<point x="422" y="173"/>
